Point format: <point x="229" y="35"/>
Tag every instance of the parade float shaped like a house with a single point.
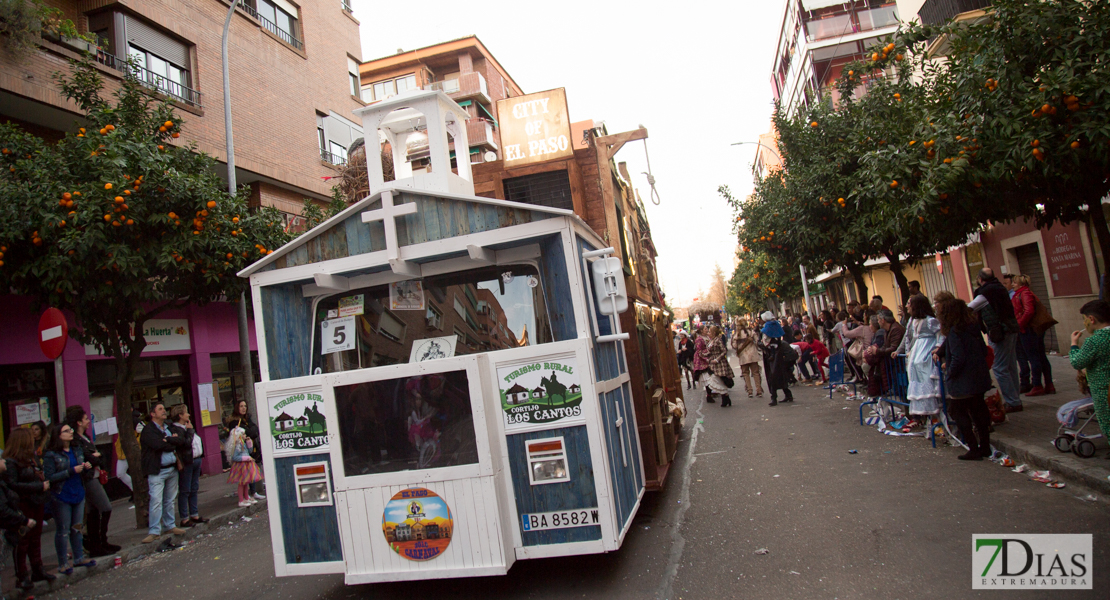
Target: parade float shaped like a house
<point x="410" y="469"/>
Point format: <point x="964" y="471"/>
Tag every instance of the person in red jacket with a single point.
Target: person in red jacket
<point x="1032" y="343"/>
<point x="820" y="356"/>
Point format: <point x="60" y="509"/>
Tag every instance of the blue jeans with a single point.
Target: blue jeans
<point x="1006" y="370"/>
<point x="163" y="496"/>
<point x="68" y="519"/>
<point x="1033" y="344"/>
<point x="188" y="487"/>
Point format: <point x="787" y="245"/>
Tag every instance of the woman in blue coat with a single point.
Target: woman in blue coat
<point x="966" y="376"/>
<point x="62" y="466"/>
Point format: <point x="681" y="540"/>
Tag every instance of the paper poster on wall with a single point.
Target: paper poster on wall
<point x="44" y="409"/>
<point x="406" y="295"/>
<point x="542" y="392"/>
<point x="433" y="348"/>
<point x="297" y="423"/>
<point x="351" y="305"/>
<point x="28" y="413"/>
<point x="417" y="524"/>
<point x="337" y="335"/>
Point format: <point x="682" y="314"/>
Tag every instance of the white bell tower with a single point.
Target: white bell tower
<point x="418" y="124"/>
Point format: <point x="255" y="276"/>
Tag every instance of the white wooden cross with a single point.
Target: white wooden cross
<point x="388" y="214"/>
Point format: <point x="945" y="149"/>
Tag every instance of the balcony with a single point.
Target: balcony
<point x="852" y="22"/>
<point x="175" y="90"/>
<point x="480" y="133"/>
<point x="937" y="12"/>
<point x="272" y="27"/>
<point x="468" y="85"/>
<point x="347" y="7"/>
<point x="332" y="158"/>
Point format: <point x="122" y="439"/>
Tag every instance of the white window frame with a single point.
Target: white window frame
<point x="546" y="456"/>
<point x="313" y="479"/>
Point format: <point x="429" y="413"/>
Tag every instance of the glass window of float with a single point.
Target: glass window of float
<point x="407" y="423"/>
<point x="508" y="310"/>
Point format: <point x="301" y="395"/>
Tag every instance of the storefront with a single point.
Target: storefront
<point x="192" y="358"/>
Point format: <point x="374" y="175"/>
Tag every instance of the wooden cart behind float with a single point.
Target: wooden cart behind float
<point x="444" y="386"/>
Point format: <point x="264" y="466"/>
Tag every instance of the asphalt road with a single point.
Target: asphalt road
<point x="893" y="521"/>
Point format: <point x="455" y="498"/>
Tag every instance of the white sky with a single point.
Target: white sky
<point x="696" y="75"/>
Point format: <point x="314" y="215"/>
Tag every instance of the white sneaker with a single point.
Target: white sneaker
<point x="251" y="501"/>
<point x="245" y="503"/>
<point x="258" y="496"/>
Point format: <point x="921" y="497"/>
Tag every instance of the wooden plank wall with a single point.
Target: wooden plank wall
<point x="311" y="534"/>
<point x="556" y="286"/>
<point x="288" y="318"/>
<point x="578" y="493"/>
<point x="608" y="363"/>
<point x="476" y="537"/>
<point x="435" y="219"/>
<point x="625" y="479"/>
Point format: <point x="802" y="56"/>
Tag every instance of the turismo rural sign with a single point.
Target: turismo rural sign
<point x="297" y="423"/>
<point x="540" y="392"/>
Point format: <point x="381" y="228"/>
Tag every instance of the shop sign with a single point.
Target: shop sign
<point x="417" y="524"/>
<point x="297" y="423"/>
<point x="162" y="335"/>
<point x="542" y="392"/>
<point x="535" y="128"/>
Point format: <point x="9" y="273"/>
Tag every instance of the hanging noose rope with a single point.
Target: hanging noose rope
<point x="650" y="177"/>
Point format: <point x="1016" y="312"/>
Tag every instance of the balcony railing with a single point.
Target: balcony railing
<point x="150" y="79"/>
<point x="467" y="85"/>
<point x="347" y="7"/>
<point x="449" y="86"/>
<point x="272" y="27"/>
<point x="936" y="12"/>
<point x="331" y="158"/>
<point x="844" y="24"/>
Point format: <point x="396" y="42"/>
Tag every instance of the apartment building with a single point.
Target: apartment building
<point x="465" y="69"/>
<point x="292" y="94"/>
<point x="293" y="70"/>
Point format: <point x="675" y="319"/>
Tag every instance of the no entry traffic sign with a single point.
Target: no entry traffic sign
<point x="53" y="333"/>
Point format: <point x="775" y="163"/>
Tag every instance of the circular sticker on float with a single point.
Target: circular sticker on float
<point x="417" y="524"/>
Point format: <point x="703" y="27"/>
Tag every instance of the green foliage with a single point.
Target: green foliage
<point x="314" y="215"/>
<point x="115" y="223"/>
<point x="23" y="22"/>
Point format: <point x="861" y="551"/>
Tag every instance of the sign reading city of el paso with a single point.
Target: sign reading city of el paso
<point x="297" y="423"/>
<point x="540" y="393"/>
<point x="534" y="128"/>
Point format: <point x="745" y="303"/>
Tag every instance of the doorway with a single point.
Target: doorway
<point x="1029" y="264"/>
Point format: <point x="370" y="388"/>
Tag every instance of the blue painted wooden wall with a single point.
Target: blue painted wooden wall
<point x="435" y="219"/>
<point x="556" y="286"/>
<point x="579" y="492"/>
<point x="311" y="534"/>
<point x="626" y="480"/>
<point x="608" y="361"/>
<point x="288" y="318"/>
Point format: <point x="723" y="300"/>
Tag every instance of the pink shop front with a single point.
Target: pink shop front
<point x="192" y="357"/>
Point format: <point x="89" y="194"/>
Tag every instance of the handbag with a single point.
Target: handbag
<point x="729" y="382"/>
<point x="103" y="477"/>
<point x="1042" y="319"/>
<point x="856" y="349"/>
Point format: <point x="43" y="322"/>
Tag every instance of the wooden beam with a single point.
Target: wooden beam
<point x="483" y="254"/>
<point x="613" y="143"/>
<point x="332" y="282"/>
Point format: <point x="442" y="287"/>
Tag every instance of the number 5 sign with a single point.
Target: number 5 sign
<point x="337" y="335"/>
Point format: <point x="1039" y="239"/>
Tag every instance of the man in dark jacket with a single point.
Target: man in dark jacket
<point x="777" y="365"/>
<point x="12" y="520"/>
<point x="992" y="302"/>
<point x="894" y="333"/>
<point x="159" y="459"/>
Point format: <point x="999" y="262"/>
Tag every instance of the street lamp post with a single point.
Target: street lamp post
<point x="244" y="335"/>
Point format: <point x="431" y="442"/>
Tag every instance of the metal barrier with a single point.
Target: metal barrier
<point x="836" y="374"/>
<point x="895" y="391"/>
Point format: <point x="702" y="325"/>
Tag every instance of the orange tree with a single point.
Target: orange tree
<point x="117" y="224"/>
<point x="1027" y="87"/>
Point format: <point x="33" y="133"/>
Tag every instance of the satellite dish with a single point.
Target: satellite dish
<point x="490" y="156"/>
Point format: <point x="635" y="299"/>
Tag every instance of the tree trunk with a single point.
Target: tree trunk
<point x="125" y="378"/>
<point x="899" y="278"/>
<point x="861" y="286"/>
<point x="1098" y="223"/>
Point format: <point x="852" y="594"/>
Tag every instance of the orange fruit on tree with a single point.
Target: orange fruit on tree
<point x="162" y="129"/>
<point x="1075" y="144"/>
<point x="894" y="184"/>
<point x="167" y="124"/>
<point x="107" y="186"/>
<point x="875" y="56"/>
<point x="813" y="123"/>
<point x="211" y="204"/>
<point x="176" y="135"/>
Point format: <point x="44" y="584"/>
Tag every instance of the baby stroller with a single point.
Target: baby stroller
<point x="1074" y="417"/>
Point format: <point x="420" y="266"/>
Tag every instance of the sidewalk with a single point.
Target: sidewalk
<point x="1027" y="436"/>
<point x="217" y="501"/>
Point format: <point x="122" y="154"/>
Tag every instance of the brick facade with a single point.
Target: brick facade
<point x="276" y="89"/>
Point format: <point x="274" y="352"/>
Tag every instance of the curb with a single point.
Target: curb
<point x="1084" y="471"/>
<point x="133" y="553"/>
